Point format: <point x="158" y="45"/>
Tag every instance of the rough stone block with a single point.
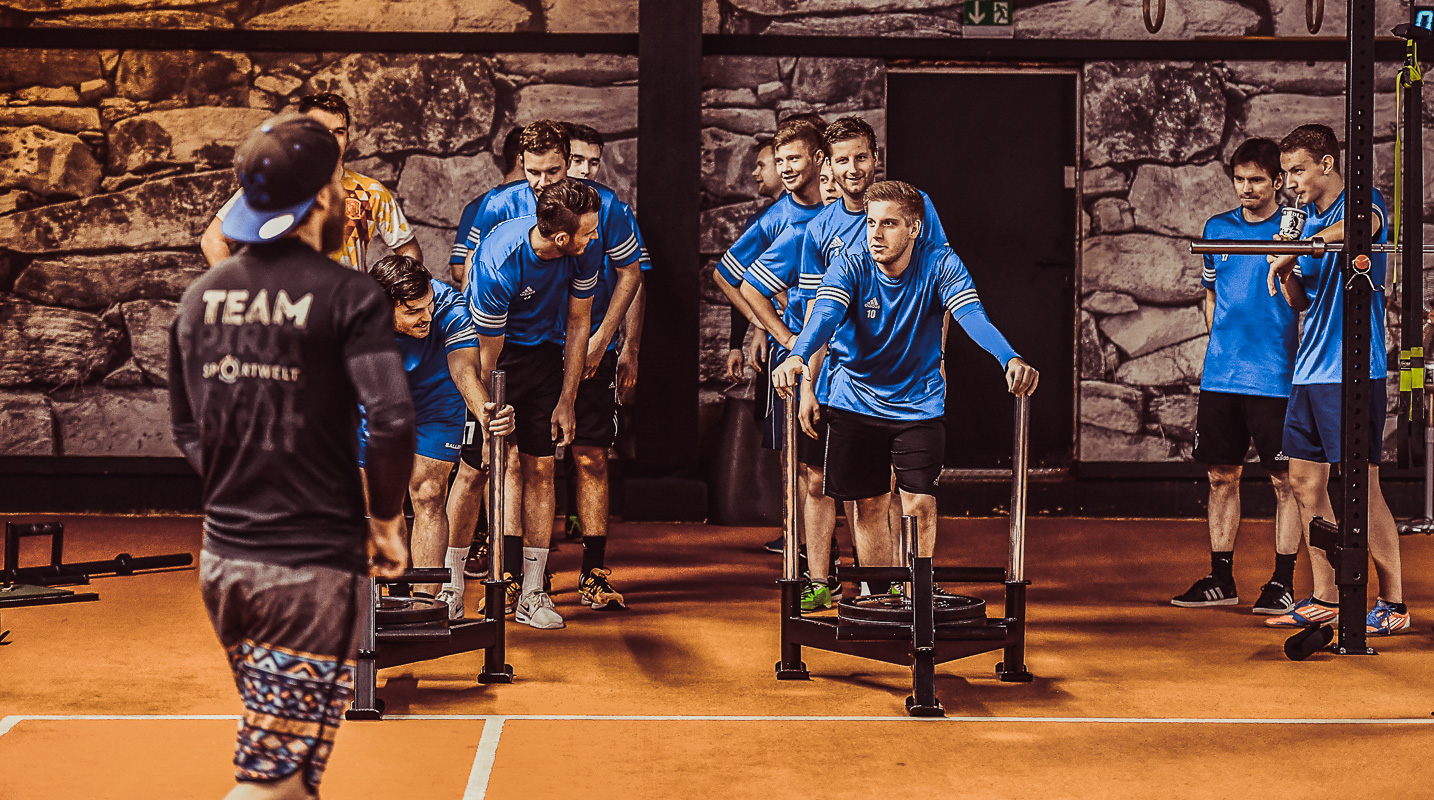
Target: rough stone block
<point x="612" y="110"/>
<point x="1180" y="365"/>
<point x="1099" y="444"/>
<point x="29" y="67"/>
<point x="722" y="225"/>
<point x="727" y="162"/>
<point x="56" y="118"/>
<point x="1151" y="328"/>
<point x="1179" y="200"/>
<point x="1102" y="181"/>
<point x="1112" y="215"/>
<point x="1153" y="269"/>
<point x="751" y="121"/>
<point x="147" y="322"/>
<point x="788" y="8"/>
<point x="585" y="16"/>
<point x="1273" y="116"/>
<point x="731" y="98"/>
<point x="1110" y="303"/>
<point x="739" y="72"/>
<point x="1093" y="364"/>
<point x="1174" y="415"/>
<point x="381" y="169"/>
<point x="619" y="169"/>
<point x="207" y="136"/>
<point x="596" y="69"/>
<point x="1142" y="111"/>
<point x="437" y="103"/>
<point x="1121" y="19"/>
<point x="280" y="84"/>
<point x="92" y="282"/>
<point x="834" y="80"/>
<point x="49" y="346"/>
<point x="772" y="91"/>
<point x="50" y="95"/>
<point x="151" y="19"/>
<point x="1111" y="406"/>
<point x="192" y="77"/>
<point x="47" y="163"/>
<point x="1301" y="77"/>
<point x="115" y="422"/>
<point x="26" y="425"/>
<point x="435" y="190"/>
<point x="126" y="374"/>
<point x="497" y="16"/>
<point x="921" y="25"/>
<point x="715" y="326"/>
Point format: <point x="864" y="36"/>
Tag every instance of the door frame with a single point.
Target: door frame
<point x="949" y="475"/>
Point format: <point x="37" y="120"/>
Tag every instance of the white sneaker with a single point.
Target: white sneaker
<point x="454" y="599"/>
<point x="536" y="610"/>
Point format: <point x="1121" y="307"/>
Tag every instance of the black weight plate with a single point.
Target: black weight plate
<point x="410" y="610"/>
<point x="887" y="609"/>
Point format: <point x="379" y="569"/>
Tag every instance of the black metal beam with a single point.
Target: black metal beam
<point x="669" y="188"/>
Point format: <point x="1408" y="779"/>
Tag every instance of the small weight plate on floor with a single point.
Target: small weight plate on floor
<point x="410" y="610"/>
<point x="891" y="609"/>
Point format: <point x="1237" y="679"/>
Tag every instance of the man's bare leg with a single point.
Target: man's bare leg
<point x="465" y="504"/>
<point x="290" y="788"/>
<point x="1384" y="542"/>
<point x="1310" y="482"/>
<point x="592" y="480"/>
<point x="871" y="533"/>
<point x="537" y="472"/>
<point x="923" y="507"/>
<point x="1224" y="517"/>
<point x="428" y="490"/>
<point x="1287" y="515"/>
<point x="819" y="522"/>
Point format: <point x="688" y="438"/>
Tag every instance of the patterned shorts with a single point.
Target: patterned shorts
<point x="290" y="636"/>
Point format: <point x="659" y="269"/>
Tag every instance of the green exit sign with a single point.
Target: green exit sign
<point x="987" y="12"/>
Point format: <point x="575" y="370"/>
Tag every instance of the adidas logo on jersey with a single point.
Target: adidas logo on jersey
<point x="527" y="293"/>
<point x="872" y="306"/>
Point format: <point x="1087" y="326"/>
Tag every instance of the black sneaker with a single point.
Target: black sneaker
<point x="1275" y="598"/>
<point x="1207" y="592"/>
<point x="476" y="565"/>
<point x="775" y="546"/>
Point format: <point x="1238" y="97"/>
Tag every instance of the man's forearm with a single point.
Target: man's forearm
<point x="734" y="296"/>
<point x="575" y="347"/>
<point x="632" y="322"/>
<point x="766" y="314"/>
<point x="629" y="278"/>
<point x="465" y="367"/>
<point x="1209" y="310"/>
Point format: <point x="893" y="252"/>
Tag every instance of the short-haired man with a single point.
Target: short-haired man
<point x="820" y="243"/>
<point x="1245" y="386"/>
<point x="888" y="394"/>
<point x="531" y="288"/>
<point x="764" y="174"/>
<point x="270" y="355"/>
<point x="512" y="165"/>
<point x="1313" y="423"/>
<point x="543" y="147"/>
<point x="585" y="146"/>
<point x="439" y="347"/>
<point x="369" y="208"/>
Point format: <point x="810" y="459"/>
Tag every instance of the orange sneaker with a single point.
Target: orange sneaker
<point x="1305" y="613"/>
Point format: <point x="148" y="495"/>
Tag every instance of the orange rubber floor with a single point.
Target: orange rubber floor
<point x="130" y="696"/>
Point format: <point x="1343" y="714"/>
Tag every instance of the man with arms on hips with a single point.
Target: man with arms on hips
<point x="530" y="289"/>
<point x="1245" y="387"/>
<point x="271" y="354"/>
<point x="888" y="395"/>
<point x="545" y="152"/>
<point x="1312" y="436"/>
<point x="369" y="208"/>
<point x="439" y="347"/>
<point x="852" y="155"/>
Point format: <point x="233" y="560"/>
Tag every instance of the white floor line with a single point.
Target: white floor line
<point x="483" y="760"/>
<point x="9" y="722"/>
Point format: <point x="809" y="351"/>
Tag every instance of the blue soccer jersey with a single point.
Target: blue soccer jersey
<point x="1252" y="342"/>
<point x="891" y="330"/>
<point x="760" y="234"/>
<point x="426" y="360"/>
<point x="1321" y="351"/>
<point x="513" y="293"/>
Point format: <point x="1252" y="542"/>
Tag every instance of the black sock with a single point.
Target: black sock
<point x="803" y="568"/>
<point x="1222" y="566"/>
<point x="1399" y="607"/>
<point x="1285" y="569"/>
<point x="594" y="548"/>
<point x="513" y="556"/>
<point x="1320" y="602"/>
<point x="879" y="587"/>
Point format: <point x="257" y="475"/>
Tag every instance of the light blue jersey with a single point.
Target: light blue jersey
<point x="426" y="360"/>
<point x="1252" y="342"/>
<point x="889" y="330"/>
<point x="513" y="293"/>
<point x="1321" y="351"/>
<point x="760" y="234"/>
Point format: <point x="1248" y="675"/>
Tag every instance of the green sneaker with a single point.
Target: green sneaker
<point x="816" y="596"/>
<point x="573" y="528"/>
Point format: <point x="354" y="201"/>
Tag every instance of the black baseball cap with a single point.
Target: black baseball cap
<point x="281" y="167"/>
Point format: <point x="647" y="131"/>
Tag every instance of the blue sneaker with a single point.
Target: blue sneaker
<point x="1383" y="620"/>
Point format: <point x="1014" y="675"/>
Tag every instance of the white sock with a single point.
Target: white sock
<point x="454" y="562"/>
<point x="535" y="562"/>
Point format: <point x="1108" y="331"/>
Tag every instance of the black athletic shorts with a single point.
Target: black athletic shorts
<point x="862" y="451"/>
<point x="813" y="452"/>
<point x="1225" y="423"/>
<point x="534" y="384"/>
<point x="597" y="405"/>
<point x="772" y="409"/>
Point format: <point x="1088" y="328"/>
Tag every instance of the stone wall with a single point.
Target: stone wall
<point x="497" y="16"/>
<point x="742" y="99"/>
<point x="112" y="163"/>
<point x="1156" y="139"/>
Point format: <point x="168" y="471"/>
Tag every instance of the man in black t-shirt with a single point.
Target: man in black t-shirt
<point x="270" y="356"/>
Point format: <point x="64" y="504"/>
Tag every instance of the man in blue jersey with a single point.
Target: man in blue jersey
<point x="805" y="251"/>
<point x="1312" y="437"/>
<point x="530" y="289"/>
<point x="886" y="302"/>
<point x="769" y="186"/>
<point x="1245" y="386"/>
<point x="442" y="372"/>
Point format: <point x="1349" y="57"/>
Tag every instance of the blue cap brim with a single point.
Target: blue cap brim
<point x="245" y="224"/>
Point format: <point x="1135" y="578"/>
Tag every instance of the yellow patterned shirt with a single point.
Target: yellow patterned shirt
<point x="369" y="209"/>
